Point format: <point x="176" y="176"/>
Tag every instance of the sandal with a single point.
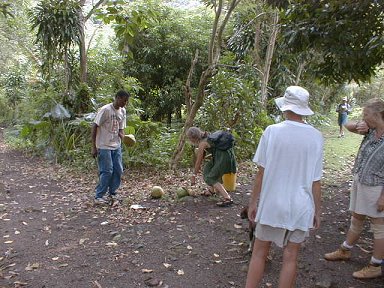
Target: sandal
<point x="225" y="203"/>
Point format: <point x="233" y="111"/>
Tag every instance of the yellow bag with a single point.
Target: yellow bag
<point x="229" y="181"/>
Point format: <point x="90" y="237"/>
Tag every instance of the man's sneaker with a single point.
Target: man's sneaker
<point x="368" y="272"/>
<point x="338" y="255"/>
<point x="101" y="201"/>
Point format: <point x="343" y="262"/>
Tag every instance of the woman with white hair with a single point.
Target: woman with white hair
<point x="367" y="195"/>
<point x="223" y="161"/>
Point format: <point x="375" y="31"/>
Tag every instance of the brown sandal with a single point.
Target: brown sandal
<point x="225" y="203"/>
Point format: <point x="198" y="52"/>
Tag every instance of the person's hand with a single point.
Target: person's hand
<point x="252" y="214"/>
<point x="380" y="203"/>
<point x="362" y="127"/>
<point x="316" y="221"/>
<point x="193" y="179"/>
<point x="94" y="152"/>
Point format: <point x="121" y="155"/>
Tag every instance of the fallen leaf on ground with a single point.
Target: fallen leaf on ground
<point x="180" y="272"/>
<point x="20" y="283"/>
<point x="97" y="284"/>
<point x="81" y="242"/>
<point x="32" y="266"/>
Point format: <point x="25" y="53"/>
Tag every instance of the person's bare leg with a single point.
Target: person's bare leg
<point x="287" y="277"/>
<point x="257" y="263"/>
<point x="352" y="237"/>
<point x="378" y="244"/>
<point x="221" y="190"/>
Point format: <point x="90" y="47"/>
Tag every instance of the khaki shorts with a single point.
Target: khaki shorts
<point x="279" y="236"/>
<point x="364" y="199"/>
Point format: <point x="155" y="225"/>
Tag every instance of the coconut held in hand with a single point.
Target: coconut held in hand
<point x="129" y="140"/>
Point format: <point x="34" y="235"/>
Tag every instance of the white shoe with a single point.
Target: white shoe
<point x="101" y="201"/>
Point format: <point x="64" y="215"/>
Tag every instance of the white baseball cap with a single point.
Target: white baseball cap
<point x="295" y="99"/>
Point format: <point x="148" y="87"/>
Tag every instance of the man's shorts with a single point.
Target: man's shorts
<point x="279" y="236"/>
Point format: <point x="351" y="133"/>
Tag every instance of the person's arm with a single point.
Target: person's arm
<point x="199" y="159"/>
<point x="257" y="183"/>
<point x="93" y="135"/>
<point x="358" y="127"/>
<point x="380" y="201"/>
<point x="316" y="191"/>
<point x="121" y="134"/>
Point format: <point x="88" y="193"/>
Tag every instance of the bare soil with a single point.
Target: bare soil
<point x="51" y="234"/>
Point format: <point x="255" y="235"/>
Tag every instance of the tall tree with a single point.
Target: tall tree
<point x="161" y="58"/>
<point x="60" y="26"/>
<point x="255" y="37"/>
<point x="223" y="11"/>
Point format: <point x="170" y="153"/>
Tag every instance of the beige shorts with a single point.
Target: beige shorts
<point x="364" y="199"/>
<point x="279" y="236"/>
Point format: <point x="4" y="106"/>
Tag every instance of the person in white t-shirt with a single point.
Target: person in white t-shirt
<point x="286" y="196"/>
<point x="107" y="133"/>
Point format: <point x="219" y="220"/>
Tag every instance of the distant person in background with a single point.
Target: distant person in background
<point x="367" y="195"/>
<point x="286" y="194"/>
<point x="343" y="110"/>
<point x="107" y="134"/>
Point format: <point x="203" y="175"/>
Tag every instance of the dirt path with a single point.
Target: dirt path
<point x="52" y="236"/>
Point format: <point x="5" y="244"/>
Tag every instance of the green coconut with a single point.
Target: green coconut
<point x="157" y="192"/>
<point x="182" y="192"/>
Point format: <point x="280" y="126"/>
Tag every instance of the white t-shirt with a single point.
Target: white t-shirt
<point x="291" y="154"/>
<point x="109" y="122"/>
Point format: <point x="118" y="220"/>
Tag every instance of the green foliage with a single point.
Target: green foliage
<point x="58" y="27"/>
<point x="247" y="19"/>
<point x="105" y="69"/>
<point x="154" y="144"/>
<point x="370" y="90"/>
<point x="58" y="141"/>
<point x="233" y="102"/>
<point x="13" y="84"/>
<point x="5" y="9"/>
<point x="347" y="34"/>
<point x="6" y="111"/>
<point x="162" y="58"/>
<point x="129" y="20"/>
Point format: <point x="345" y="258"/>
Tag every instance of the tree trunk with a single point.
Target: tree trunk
<point x="268" y="59"/>
<point x="214" y="50"/>
<point x="300" y="70"/>
<point x="82" y="49"/>
<point x="83" y="54"/>
<point x="82" y="45"/>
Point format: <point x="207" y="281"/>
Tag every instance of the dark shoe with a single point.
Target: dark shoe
<point x="115" y="197"/>
<point x="225" y="203"/>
